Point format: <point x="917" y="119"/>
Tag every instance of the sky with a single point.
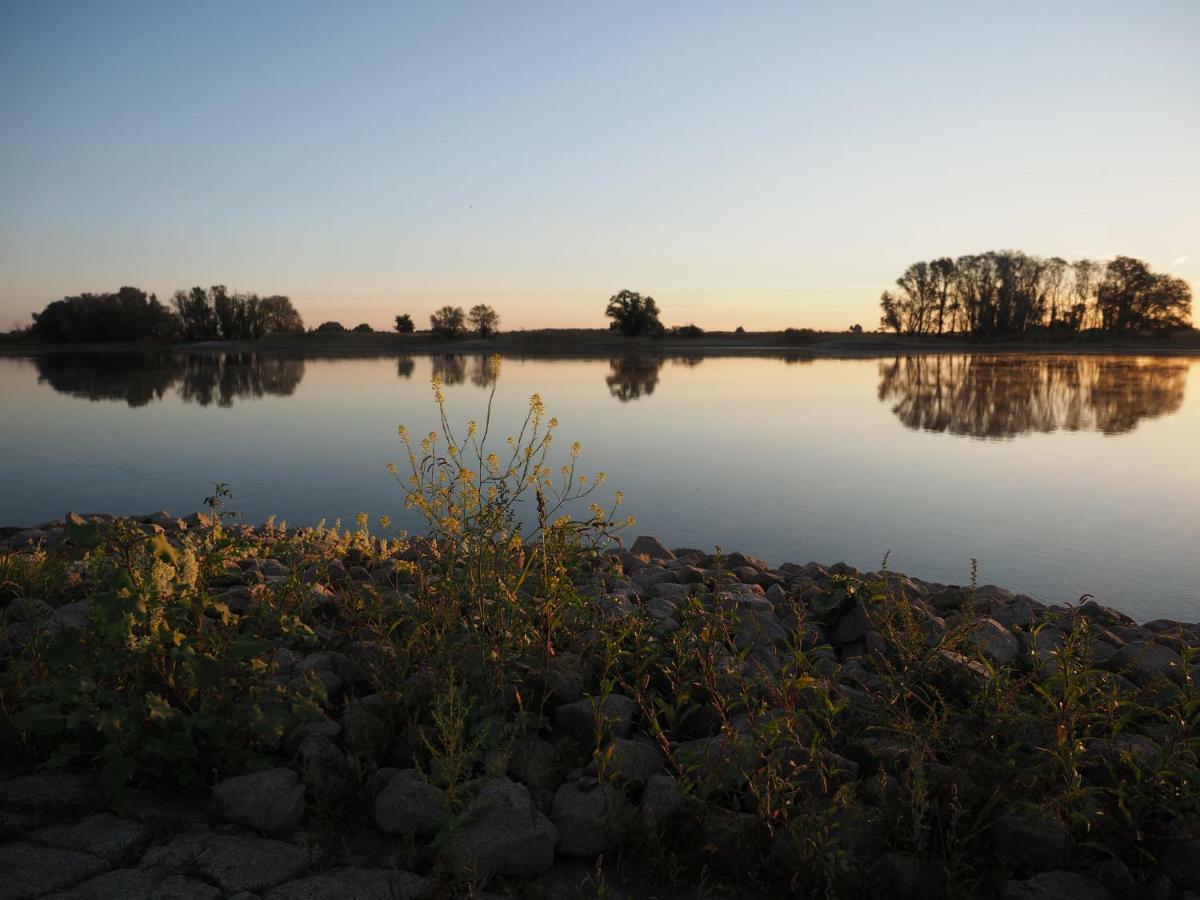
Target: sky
<point x="764" y="165"/>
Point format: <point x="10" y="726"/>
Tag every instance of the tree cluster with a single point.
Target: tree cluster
<point x="451" y="322"/>
<point x="633" y="315"/>
<point x="1007" y="293"/>
<point x="217" y="314"/>
<point x="130" y="314"/>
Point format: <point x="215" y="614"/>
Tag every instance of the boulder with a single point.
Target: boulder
<point x="662" y="801"/>
<point x="235" y="862"/>
<point x="356" y="883"/>
<point x="1181" y="860"/>
<point x="994" y="642"/>
<point x="1031" y="840"/>
<point x="411" y="806"/>
<point x="651" y="547"/>
<point x="630" y="761"/>
<point x="50" y="796"/>
<point x="590" y="819"/>
<point x="503" y="834"/>
<point x="1146" y="662"/>
<point x="30" y="870"/>
<point x="324" y="769"/>
<point x="1056" y="885"/>
<point x="579" y="719"/>
<point x="270" y="801"/>
<point x="103" y="834"/>
<point x="140" y="884"/>
<point x="534" y="763"/>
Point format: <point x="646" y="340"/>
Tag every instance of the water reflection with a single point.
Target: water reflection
<point x="139" y="379"/>
<point x="633" y="376"/>
<point x="1001" y="397"/>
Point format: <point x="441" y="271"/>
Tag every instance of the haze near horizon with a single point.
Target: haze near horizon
<point x="766" y="167"/>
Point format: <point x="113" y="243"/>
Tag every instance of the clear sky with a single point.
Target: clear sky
<point x="745" y="163"/>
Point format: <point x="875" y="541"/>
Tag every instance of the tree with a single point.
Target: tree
<point x="197" y="317"/>
<point x="404" y="324"/>
<point x="632" y="314"/>
<point x="331" y="327"/>
<point x="447" y="322"/>
<point x="130" y="314"/>
<point x="278" y="315"/>
<point x="363" y="328"/>
<point x="891" y="312"/>
<point x="1132" y="298"/>
<point x="484" y="320"/>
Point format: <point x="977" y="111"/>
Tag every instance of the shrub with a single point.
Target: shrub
<point x="326" y="327"/>
<point x="448" y="322"/>
<point x="404" y="324"/>
<point x="363" y="328"/>
<point x="632" y="314"/>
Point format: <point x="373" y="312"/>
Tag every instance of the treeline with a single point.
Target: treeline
<point x="131" y="314"/>
<point x="1006" y="293"/>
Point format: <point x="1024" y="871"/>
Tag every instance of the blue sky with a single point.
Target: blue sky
<point x="758" y="164"/>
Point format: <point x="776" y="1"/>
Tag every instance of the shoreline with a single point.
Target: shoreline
<point x="415" y="732"/>
<point x="585" y="342"/>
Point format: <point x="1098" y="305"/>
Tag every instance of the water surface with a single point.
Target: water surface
<point x="1062" y="475"/>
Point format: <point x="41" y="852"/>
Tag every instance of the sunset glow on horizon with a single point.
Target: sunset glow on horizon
<point x="768" y="166"/>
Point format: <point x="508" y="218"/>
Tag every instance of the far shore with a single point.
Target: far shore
<point x="602" y="342"/>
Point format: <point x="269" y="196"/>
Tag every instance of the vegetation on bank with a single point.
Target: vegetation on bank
<point x="700" y="719"/>
<point x="1011" y="294"/>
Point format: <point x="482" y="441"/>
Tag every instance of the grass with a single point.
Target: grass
<point x="800" y="768"/>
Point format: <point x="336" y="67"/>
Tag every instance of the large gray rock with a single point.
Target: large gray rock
<point x="1056" y="885"/>
<point x="502" y="834"/>
<point x="662" y="801"/>
<point x="102" y="834"/>
<point x="630" y="761"/>
<point x="359" y="884"/>
<point x="535" y="764"/>
<point x="235" y="862"/>
<point x="1031" y="840"/>
<point x="1146" y="662"/>
<point x="589" y="819"/>
<point x="651" y="547"/>
<point x="140" y="884"/>
<point x="271" y="801"/>
<point x="30" y="870"/>
<point x="410" y="805"/>
<point x="614" y="716"/>
<point x="1181" y="860"/>
<point x="994" y="642"/>
<point x="324" y="769"/>
<point x="47" y="797"/>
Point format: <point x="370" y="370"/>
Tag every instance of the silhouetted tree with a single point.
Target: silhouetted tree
<point x="404" y="324"/>
<point x="196" y="313"/>
<point x="632" y="314"/>
<point x="447" y="322"/>
<point x="484" y="320"/>
<point x="1132" y="298"/>
<point x="128" y="315"/>
<point x="331" y="327"/>
<point x="687" y="331"/>
<point x="277" y="315"/>
<point x="363" y="328"/>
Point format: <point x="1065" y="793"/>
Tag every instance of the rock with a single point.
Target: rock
<point x="1147" y="661"/>
<point x="368" y="727"/>
<point x="1056" y="885"/>
<point x="535" y="764"/>
<point x="235" y="862"/>
<point x="716" y="761"/>
<point x="566" y="676"/>
<point x="1181" y="860"/>
<point x="50" y="796"/>
<point x="103" y="834"/>
<point x="324" y="769"/>
<point x="140" y="884"/>
<point x="662" y="801"/>
<point x="1031" y="840"/>
<point x="851" y="627"/>
<point x="904" y="877"/>
<point x="589" y="819"/>
<point x="271" y="801"/>
<point x="356" y="883"/>
<point x="325" y="727"/>
<point x="651" y="547"/>
<point x="30" y="870"/>
<point x="502" y="834"/>
<point x="411" y="806"/>
<point x="631" y="761"/>
<point x="994" y="642"/>
<point x="579" y="719"/>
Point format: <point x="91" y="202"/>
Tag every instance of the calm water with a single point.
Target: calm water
<point x="1061" y="475"/>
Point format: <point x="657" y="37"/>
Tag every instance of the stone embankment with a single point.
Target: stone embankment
<point x="541" y="814"/>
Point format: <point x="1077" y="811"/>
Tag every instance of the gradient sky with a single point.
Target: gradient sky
<point x="756" y="164"/>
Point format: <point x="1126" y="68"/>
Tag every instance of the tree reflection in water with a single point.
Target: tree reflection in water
<point x="1004" y="396"/>
<point x="202" y="378"/>
<point x="633" y="376"/>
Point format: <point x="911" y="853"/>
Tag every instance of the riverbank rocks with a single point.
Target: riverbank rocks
<point x="612" y="716"/>
<point x="1056" y="885"/>
<point x="501" y="833"/>
<point x="235" y="862"/>
<point x="356" y="883"/>
<point x="1147" y="661"/>
<point x="995" y="643"/>
<point x="411" y="806"/>
<point x="590" y="818"/>
<point x="271" y="801"/>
